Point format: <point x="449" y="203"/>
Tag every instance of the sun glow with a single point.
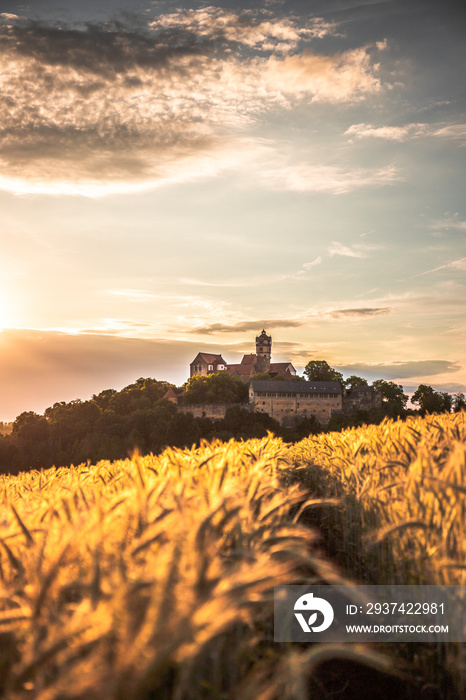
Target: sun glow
<point x="5" y="312"/>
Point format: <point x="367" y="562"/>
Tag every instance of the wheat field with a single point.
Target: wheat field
<point x="153" y="577"/>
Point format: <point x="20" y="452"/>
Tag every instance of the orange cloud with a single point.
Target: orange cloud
<point x="38" y="368"/>
<point x="343" y="77"/>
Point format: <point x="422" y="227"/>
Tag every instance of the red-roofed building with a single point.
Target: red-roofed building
<point x="206" y="363"/>
<point x="251" y="364"/>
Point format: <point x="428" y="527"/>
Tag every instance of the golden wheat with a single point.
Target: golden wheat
<point x="153" y="577"/>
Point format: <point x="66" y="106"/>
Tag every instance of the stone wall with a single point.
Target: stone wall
<point x="362" y="399"/>
<point x="289" y="410"/>
<point x="216" y="411"/>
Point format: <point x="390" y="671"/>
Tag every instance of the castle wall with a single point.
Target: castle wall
<point x="364" y="399"/>
<point x="291" y="409"/>
<point x="216" y="411"/>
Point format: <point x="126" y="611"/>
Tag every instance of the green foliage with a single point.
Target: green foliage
<point x="114" y="423"/>
<point x="320" y="371"/>
<point x="459" y="403"/>
<point x="268" y="376"/>
<point x="308" y="426"/>
<point x="431" y="401"/>
<point x="30" y="426"/>
<point x="394" y="401"/>
<point x="219" y="387"/>
<point x="355" y="381"/>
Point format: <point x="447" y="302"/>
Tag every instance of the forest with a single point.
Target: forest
<point x="113" y="424"/>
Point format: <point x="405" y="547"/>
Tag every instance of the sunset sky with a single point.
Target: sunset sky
<point x="174" y="177"/>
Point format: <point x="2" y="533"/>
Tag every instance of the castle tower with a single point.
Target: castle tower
<point x="263" y="351"/>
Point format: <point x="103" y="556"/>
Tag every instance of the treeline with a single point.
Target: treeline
<point x="112" y="424"/>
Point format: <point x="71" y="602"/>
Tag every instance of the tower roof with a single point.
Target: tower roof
<point x="263" y="336"/>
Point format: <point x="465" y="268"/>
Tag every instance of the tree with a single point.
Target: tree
<point x="431" y="401"/>
<point x="393" y="399"/>
<point x="320" y="371"/>
<point x="31" y="433"/>
<point x="219" y="387"/>
<point x="355" y="381"/>
<point x="447" y="402"/>
<point x="459" y="403"/>
<point x="30" y="427"/>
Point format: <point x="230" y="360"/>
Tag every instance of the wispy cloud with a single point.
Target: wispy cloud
<point x="454" y="132"/>
<point x="328" y="178"/>
<point x="361" y="312"/>
<point x="305" y="319"/>
<point x="357" y="250"/>
<point x="459" y="265"/>
<point x="258" y="281"/>
<point x="243" y="326"/>
<point x="115" y="108"/>
<point x="313" y="263"/>
<point x="447" y="224"/>
<point x="402" y="370"/>
<point x="389" y="133"/>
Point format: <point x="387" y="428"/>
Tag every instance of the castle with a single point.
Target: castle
<point x="283" y="396"/>
<point x="255" y="363"/>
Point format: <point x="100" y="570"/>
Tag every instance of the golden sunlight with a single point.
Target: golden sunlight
<point x="5" y="311"/>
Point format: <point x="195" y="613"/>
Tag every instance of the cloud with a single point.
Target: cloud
<point x="401" y="370"/>
<point x="259" y="281"/>
<point x="454" y="132"/>
<point x="247" y="326"/>
<point x="306" y="319"/>
<point x="348" y="76"/>
<point x="328" y="178"/>
<point x="389" y="133"/>
<point x="447" y="224"/>
<point x="313" y="263"/>
<point x="358" y="313"/>
<point x="38" y="368"/>
<point x="357" y="250"/>
<point x="459" y="265"/>
<point x="115" y="108"/>
<point x="253" y="29"/>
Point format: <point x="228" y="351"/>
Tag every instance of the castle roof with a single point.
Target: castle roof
<point x="295" y="387"/>
<point x="280" y="366"/>
<point x="210" y="358"/>
<point x="241" y="370"/>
